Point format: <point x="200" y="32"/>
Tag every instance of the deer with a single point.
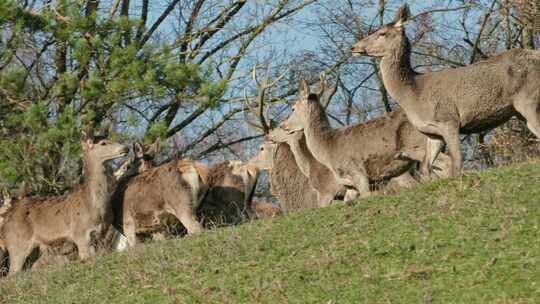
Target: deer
<point x="176" y="188"/>
<point x="372" y="151"/>
<point x="320" y="177"/>
<point x="450" y="102"/>
<point x="288" y="184"/>
<point x="80" y="217"/>
<point x="231" y="187"/>
<point x="287" y="181"/>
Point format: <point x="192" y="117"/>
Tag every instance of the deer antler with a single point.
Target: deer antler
<point x="326" y="93"/>
<point x="261" y="94"/>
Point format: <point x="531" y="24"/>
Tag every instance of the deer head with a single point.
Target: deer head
<point x="388" y="38"/>
<point x="299" y="116"/>
<point x="99" y="149"/>
<point x="264" y="159"/>
<point x="280" y="135"/>
<point x="142" y="160"/>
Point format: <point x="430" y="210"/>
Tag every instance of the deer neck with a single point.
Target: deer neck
<point x="98" y="185"/>
<point x="303" y="157"/>
<point x="397" y="73"/>
<point x="318" y="131"/>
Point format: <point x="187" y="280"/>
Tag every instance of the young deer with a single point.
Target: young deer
<point x="375" y="150"/>
<point x="319" y="176"/>
<point x="288" y="184"/>
<point x="80" y="217"/>
<point x="469" y="99"/>
<point x="176" y="187"/>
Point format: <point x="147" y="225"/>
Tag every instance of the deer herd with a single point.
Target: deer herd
<point x="310" y="163"/>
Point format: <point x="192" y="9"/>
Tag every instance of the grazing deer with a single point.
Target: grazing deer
<point x="288" y="184"/>
<point x="80" y="217"/>
<point x="231" y="185"/>
<point x="375" y="150"/>
<point x="465" y="100"/>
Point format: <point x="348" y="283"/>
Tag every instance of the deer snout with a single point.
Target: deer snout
<point x="358" y="50"/>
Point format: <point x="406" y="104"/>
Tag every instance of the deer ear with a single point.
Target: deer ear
<point x="403" y="14"/>
<point x="303" y="88"/>
<point x="84" y="135"/>
<point x="154" y="149"/>
<point x="138" y="149"/>
<point x="86" y="140"/>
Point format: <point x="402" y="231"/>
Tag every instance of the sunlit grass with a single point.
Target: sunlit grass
<point x="473" y="239"/>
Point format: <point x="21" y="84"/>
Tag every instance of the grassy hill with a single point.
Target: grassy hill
<point x="474" y="239"/>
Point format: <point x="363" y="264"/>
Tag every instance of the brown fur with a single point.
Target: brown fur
<point x="175" y="187"/>
<point x="319" y="176"/>
<point x="80" y="217"/>
<point x="231" y="186"/>
<point x="288" y="184"/>
<point x="266" y="210"/>
<point x="468" y="99"/>
<point x="360" y="153"/>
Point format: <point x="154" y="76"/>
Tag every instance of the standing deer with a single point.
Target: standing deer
<point x="80" y="217"/>
<point x="176" y="187"/>
<point x="320" y="177"/>
<point x="375" y="150"/>
<point x="230" y="186"/>
<point x="287" y="182"/>
<point x="465" y="100"/>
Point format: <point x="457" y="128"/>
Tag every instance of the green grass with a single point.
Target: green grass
<point x="474" y="239"/>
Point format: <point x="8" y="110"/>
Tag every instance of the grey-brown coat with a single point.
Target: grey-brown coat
<point x="80" y="217"/>
<point x="468" y="99"/>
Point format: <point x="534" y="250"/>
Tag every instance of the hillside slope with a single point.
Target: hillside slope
<point x="474" y="239"/>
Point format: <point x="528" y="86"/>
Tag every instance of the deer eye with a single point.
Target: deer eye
<point x="382" y="34"/>
<point x="103" y="143"/>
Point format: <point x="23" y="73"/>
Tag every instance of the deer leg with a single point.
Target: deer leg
<point x="433" y="147"/>
<point x="449" y="132"/>
<point x="529" y="109"/>
<point x="16" y="263"/>
<point x="324" y="200"/>
<point x="360" y="178"/>
<point x="451" y="137"/>
<point x="189" y="220"/>
<point x="130" y="229"/>
<point x="85" y="247"/>
<point x="18" y="256"/>
<point x="350" y="195"/>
